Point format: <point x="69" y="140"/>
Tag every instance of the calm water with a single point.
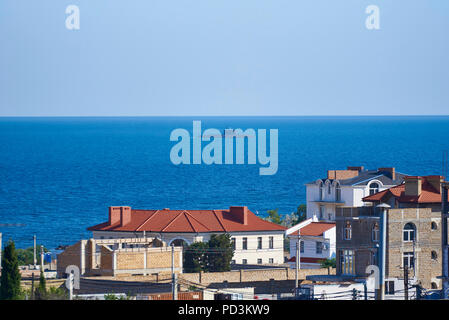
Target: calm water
<point x="59" y="175"/>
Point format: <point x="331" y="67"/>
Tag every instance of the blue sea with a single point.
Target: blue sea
<point x="59" y="175"/>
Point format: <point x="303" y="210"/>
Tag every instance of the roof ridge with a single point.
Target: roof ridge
<point x="177" y="216"/>
<point x="186" y="214"/>
<point x="189" y="215"/>
<point x="148" y="219"/>
<point x="219" y="220"/>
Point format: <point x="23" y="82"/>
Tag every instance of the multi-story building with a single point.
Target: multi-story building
<point x="256" y="241"/>
<point x="347" y="188"/>
<point x="316" y="241"/>
<point x="413" y="235"/>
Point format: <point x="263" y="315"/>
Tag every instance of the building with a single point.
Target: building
<point x="128" y="256"/>
<point x="347" y="188"/>
<point x="317" y="243"/>
<point x="413" y="235"/>
<point x="256" y="241"/>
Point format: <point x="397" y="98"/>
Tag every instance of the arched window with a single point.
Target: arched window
<point x="434" y="285"/>
<point x="375" y="232"/>
<point x="373" y="188"/>
<point x="434" y="225"/>
<point x="409" y="232"/>
<point x="329" y="188"/>
<point x="321" y="191"/>
<point x="347" y="232"/>
<point x="337" y="192"/>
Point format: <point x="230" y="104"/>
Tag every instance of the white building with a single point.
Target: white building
<point x="317" y="243"/>
<point x="256" y="241"/>
<point x="347" y="188"/>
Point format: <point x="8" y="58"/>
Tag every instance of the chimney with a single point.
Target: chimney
<point x="435" y="182"/>
<point x="240" y="213"/>
<point x="413" y="186"/>
<point x="342" y="174"/>
<point x="391" y="172"/>
<point x="119" y="214"/>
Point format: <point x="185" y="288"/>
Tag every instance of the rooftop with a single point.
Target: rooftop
<point x="234" y="219"/>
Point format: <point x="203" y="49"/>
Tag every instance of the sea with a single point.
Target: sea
<point x="59" y="175"/>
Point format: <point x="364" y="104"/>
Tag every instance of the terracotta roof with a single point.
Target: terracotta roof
<point x="428" y="194"/>
<point x="189" y="221"/>
<point x="314" y="229"/>
<point x="306" y="260"/>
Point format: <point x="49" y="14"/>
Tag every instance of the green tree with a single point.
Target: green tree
<point x="328" y="263"/>
<point x="274" y="216"/>
<point x="220" y="253"/>
<point x="10" y="278"/>
<point x="41" y="290"/>
<point x="26" y="256"/>
<point x="300" y="214"/>
<point x="195" y="257"/>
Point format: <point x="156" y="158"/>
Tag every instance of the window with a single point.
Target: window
<point x="389" y="287"/>
<point x="232" y="261"/>
<point x="375" y="232"/>
<point x="259" y="261"/>
<point x="347" y="261"/>
<point x="319" y="247"/>
<point x="244" y="261"/>
<point x="322" y="212"/>
<point x="347" y="231"/>
<point x="321" y="191"/>
<point x="271" y="260"/>
<point x="337" y="192"/>
<point x="271" y="242"/>
<point x="434" y="225"/>
<point x="409" y="232"/>
<point x="434" y="255"/>
<point x="408" y="259"/>
<point x="329" y="216"/>
<point x="301" y="246"/>
<point x="259" y="242"/>
<point x="233" y="243"/>
<point x="329" y="188"/>
<point x="245" y="244"/>
<point x="434" y="285"/>
<point x="373" y="188"/>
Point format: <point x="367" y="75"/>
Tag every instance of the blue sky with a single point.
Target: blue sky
<point x="223" y="57"/>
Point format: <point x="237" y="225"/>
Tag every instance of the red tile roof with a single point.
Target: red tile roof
<point x="189" y="221"/>
<point x="315" y="229"/>
<point x="428" y="194"/>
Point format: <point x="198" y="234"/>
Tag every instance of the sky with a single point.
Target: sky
<point x="223" y="57"/>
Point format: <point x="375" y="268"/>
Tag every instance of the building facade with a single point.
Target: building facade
<point x="413" y="235"/>
<point x="347" y="188"/>
<point x="256" y="241"/>
<point x="316" y="241"/>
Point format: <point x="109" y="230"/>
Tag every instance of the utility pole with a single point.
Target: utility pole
<point x="444" y="239"/>
<point x="383" y="249"/>
<point x="32" y="286"/>
<point x="34" y="252"/>
<point x="174" y="278"/>
<point x="406" y="282"/>
<point x="42" y="258"/>
<point x="298" y="263"/>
